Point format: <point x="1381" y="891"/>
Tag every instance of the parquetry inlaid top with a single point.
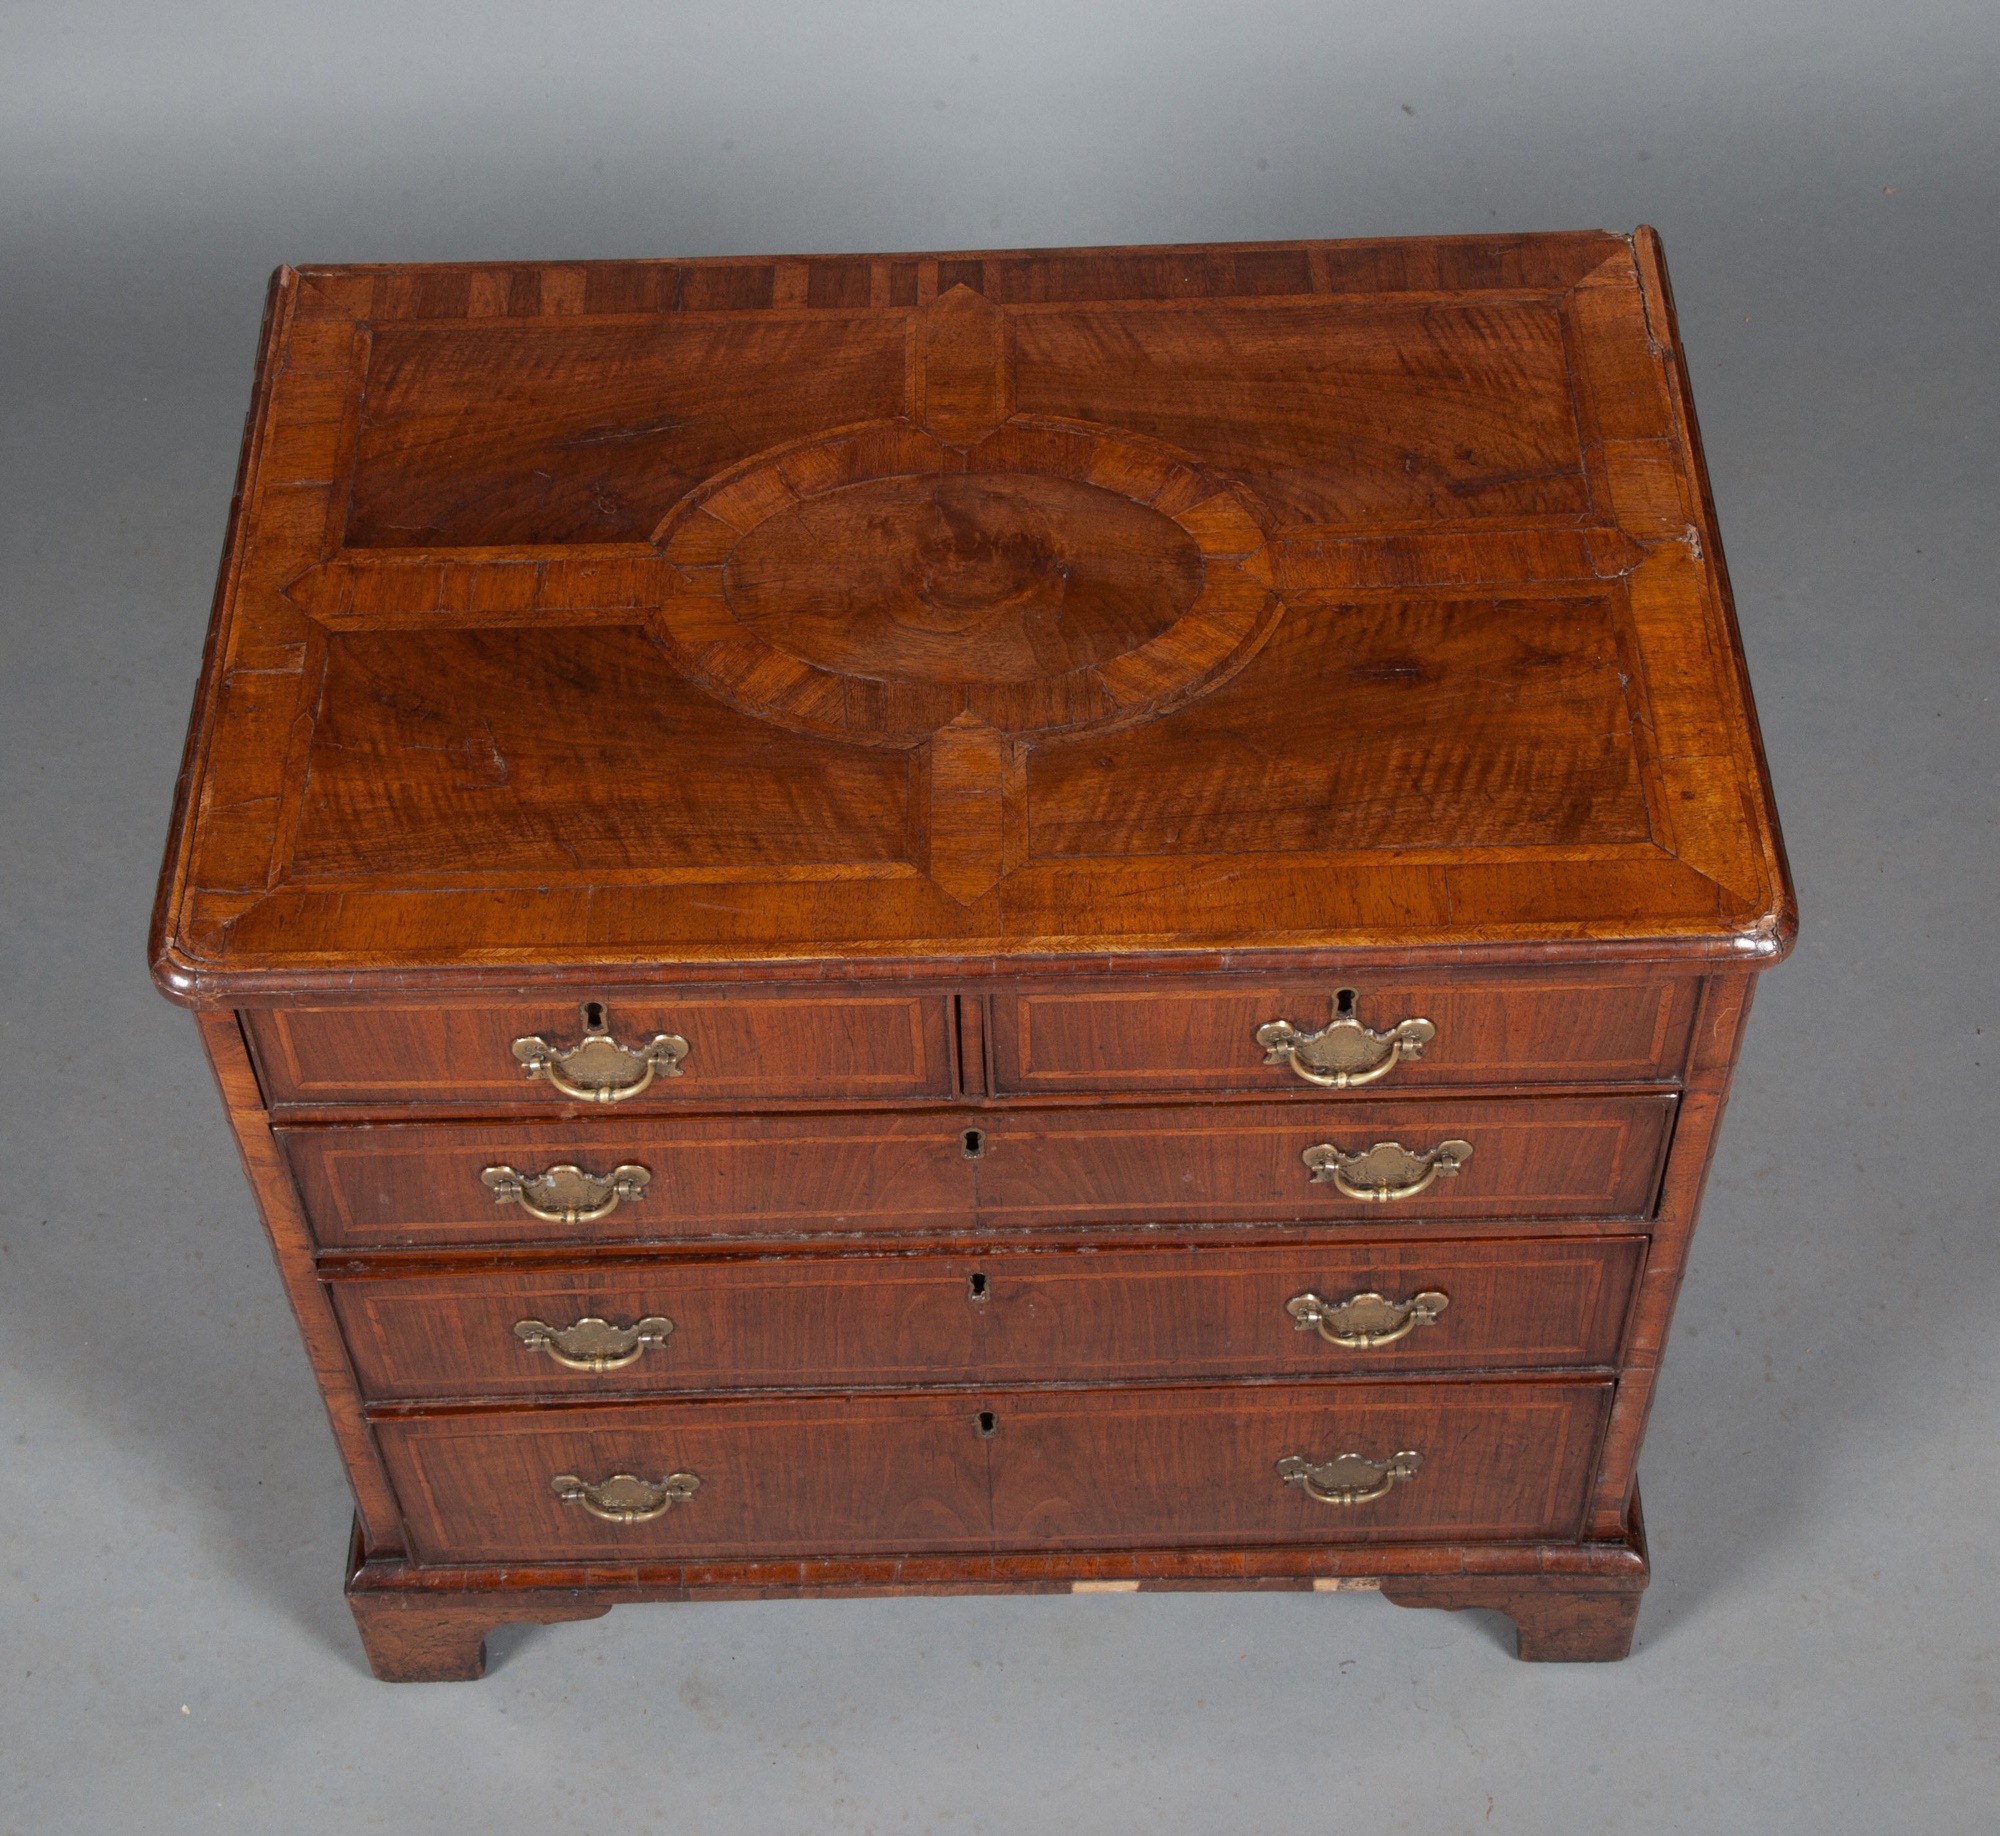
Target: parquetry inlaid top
<point x="1241" y="600"/>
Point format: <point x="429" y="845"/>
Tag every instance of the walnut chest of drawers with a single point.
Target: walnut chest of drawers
<point x="1065" y="921"/>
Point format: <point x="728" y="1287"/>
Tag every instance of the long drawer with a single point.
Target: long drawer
<point x="753" y="1048"/>
<point x="1398" y="1031"/>
<point x="751" y="1176"/>
<point x="1039" y="1317"/>
<point x="1004" y="1470"/>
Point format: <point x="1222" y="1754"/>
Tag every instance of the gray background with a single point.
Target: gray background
<point x="1818" y="1650"/>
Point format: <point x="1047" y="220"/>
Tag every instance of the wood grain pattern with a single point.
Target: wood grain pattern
<point x="1314" y="596"/>
<point x="1374" y="727"/>
<point x="1436" y="411"/>
<point x="777" y="1478"/>
<point x="1136" y="1035"/>
<point x="1002" y="1469"/>
<point x="602" y="425"/>
<point x="956" y="577"/>
<point x="764" y="1176"/>
<point x="564" y="778"/>
<point x="1499" y="1460"/>
<point x="751" y="1175"/>
<point x="1532" y="1157"/>
<point x="1102" y="1317"/>
<point x="742" y="1050"/>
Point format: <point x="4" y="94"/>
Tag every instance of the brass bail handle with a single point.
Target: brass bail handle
<point x="1349" y="1478"/>
<point x="566" y="1194"/>
<point x="1343" y="1054"/>
<point x="625" y="1498"/>
<point x="597" y="1069"/>
<point x="1365" y="1321"/>
<point x="594" y="1345"/>
<point x="1386" y="1172"/>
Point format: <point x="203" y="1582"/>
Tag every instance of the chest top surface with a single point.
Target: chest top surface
<point x="1189" y="604"/>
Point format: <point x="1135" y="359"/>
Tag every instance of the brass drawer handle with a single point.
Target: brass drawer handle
<point x="625" y="1498"/>
<point x="592" y="1344"/>
<point x="1350" y="1479"/>
<point x="566" y="1194"/>
<point x="1362" y="1321"/>
<point x="1387" y="1171"/>
<point x="597" y="1069"/>
<point x="1343" y="1054"/>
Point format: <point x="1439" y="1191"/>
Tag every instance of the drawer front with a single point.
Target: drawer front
<point x="761" y="1049"/>
<point x="1040" y="1317"/>
<point x="1204" y="1037"/>
<point x="1241" y="1162"/>
<point x="1000" y="1470"/>
<point x="427" y="1184"/>
<point x="793" y="1478"/>
<point x="707" y="1176"/>
<point x="1087" y="1469"/>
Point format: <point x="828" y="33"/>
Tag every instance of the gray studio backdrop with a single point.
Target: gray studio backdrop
<point x="1818" y="1651"/>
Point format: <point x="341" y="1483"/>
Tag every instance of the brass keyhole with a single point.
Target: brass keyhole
<point x="975" y="1288"/>
<point x="973" y="1142"/>
<point x="989" y="1425"/>
<point x="1343" y="1003"/>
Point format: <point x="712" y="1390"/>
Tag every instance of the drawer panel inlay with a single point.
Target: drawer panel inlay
<point x="1493" y="1460"/>
<point x="798" y="1477"/>
<point x="1531" y="1157"/>
<point x="1525" y="1031"/>
<point x="425" y="1184"/>
<point x="1020" y="1470"/>
<point x="770" y="1049"/>
<point x="1034" y="1317"/>
<point x="731" y="1176"/>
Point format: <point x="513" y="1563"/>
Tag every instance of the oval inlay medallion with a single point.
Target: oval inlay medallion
<point x="880" y="585"/>
<point x="963" y="577"/>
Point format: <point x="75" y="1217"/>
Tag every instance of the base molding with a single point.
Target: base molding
<point x="1570" y="1602"/>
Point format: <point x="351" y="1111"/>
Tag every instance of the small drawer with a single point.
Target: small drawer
<point x="735" y="1049"/>
<point x="1007" y="1470"/>
<point x="1047" y="1316"/>
<point x="1390" y="1031"/>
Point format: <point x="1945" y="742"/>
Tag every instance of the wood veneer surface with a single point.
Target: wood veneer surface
<point x="412" y="1184"/>
<point x="1307" y="596"/>
<point x="1102" y="1316"/>
<point x="860" y="1047"/>
<point x="1023" y="1470"/>
<point x="1201" y="1035"/>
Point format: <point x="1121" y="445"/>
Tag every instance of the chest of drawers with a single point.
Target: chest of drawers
<point x="1055" y="921"/>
